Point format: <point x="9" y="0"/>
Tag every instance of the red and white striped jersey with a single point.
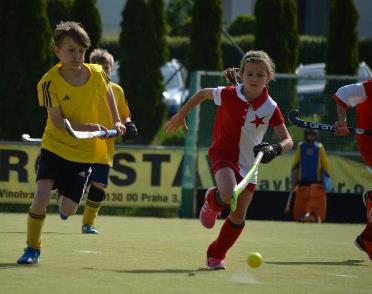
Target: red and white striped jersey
<point x="359" y="95"/>
<point x="240" y="125"/>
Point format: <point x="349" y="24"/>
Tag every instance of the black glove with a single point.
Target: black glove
<point x="269" y="151"/>
<point x="131" y="131"/>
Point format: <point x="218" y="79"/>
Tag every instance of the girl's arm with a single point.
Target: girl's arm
<point x="284" y="136"/>
<point x="178" y="120"/>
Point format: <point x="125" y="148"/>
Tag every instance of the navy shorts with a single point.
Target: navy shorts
<point x="100" y="173"/>
<point x="70" y="177"/>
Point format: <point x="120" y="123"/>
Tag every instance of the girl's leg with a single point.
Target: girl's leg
<point x="216" y="199"/>
<point x="231" y="229"/>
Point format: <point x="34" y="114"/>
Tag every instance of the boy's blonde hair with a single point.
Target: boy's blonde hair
<point x="101" y="56"/>
<point x="72" y="30"/>
<point x="258" y="56"/>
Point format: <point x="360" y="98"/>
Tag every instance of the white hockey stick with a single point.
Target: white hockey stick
<point x="244" y="183"/>
<point x="288" y="204"/>
<point x="88" y="134"/>
<point x="27" y="138"/>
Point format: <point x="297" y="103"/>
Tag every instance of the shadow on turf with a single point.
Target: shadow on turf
<point x="157" y="271"/>
<point x="8" y="265"/>
<point x="57" y="233"/>
<point x="349" y="262"/>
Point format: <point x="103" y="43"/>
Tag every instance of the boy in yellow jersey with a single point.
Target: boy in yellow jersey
<point x="100" y="172"/>
<point x="81" y="93"/>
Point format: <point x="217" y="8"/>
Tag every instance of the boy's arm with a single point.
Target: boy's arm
<point x="115" y="113"/>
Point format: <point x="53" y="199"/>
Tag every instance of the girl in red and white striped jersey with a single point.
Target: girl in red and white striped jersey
<point x="245" y="112"/>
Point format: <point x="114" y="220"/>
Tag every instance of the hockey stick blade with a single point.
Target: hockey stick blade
<point x="245" y="181"/>
<point x="27" y="138"/>
<point x="88" y="134"/>
<point x="293" y="117"/>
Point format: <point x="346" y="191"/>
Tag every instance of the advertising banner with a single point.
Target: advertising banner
<point x="146" y="176"/>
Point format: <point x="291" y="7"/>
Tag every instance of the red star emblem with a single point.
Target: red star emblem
<point x="258" y="121"/>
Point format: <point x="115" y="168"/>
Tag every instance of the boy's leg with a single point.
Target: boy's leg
<point x="35" y="222"/>
<point x="301" y="203"/>
<point x="318" y="202"/>
<point x="95" y="197"/>
<point x="92" y="206"/>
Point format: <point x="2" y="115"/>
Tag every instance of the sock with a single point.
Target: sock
<point x="367" y="233"/>
<point x="91" y="210"/>
<point x="214" y="200"/>
<point x="229" y="233"/>
<point x="35" y="224"/>
<point x="92" y="205"/>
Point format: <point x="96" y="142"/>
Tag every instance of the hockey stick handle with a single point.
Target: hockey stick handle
<point x="244" y="183"/>
<point x="293" y="118"/>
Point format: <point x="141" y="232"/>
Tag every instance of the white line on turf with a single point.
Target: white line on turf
<point x="243" y="278"/>
<point x="87" y="251"/>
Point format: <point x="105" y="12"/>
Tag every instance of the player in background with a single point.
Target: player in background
<point x="245" y="112"/>
<point x="99" y="177"/>
<point x="310" y="177"/>
<point x="74" y="90"/>
<point x="359" y="95"/>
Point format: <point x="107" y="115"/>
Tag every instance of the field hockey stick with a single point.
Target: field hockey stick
<point x="27" y="138"/>
<point x="293" y="118"/>
<point x="88" y="134"/>
<point x="244" y="183"/>
<point x="288" y="205"/>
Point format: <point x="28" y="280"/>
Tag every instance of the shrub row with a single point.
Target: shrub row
<point x="312" y="49"/>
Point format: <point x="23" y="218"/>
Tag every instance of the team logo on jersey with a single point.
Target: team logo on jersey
<point x="82" y="174"/>
<point x="258" y="121"/>
<point x="66" y="97"/>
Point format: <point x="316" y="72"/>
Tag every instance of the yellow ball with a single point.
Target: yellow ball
<point x="254" y="259"/>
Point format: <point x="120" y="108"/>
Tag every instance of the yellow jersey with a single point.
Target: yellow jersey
<point x="123" y="109"/>
<point x="83" y="104"/>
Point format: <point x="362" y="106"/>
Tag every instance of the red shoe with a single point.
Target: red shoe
<point x="364" y="246"/>
<point x="215" y="263"/>
<point x="208" y="215"/>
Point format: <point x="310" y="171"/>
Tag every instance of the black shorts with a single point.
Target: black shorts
<point x="100" y="173"/>
<point x="70" y="177"/>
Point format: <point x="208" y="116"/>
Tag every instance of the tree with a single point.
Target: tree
<point x="87" y="13"/>
<point x="178" y="14"/>
<point x="205" y="39"/>
<point x="343" y="39"/>
<point x="276" y="32"/>
<point x="26" y="54"/>
<point x="242" y="25"/>
<point x="139" y="70"/>
<point x="342" y="53"/>
<point x="58" y="10"/>
<point x="158" y="18"/>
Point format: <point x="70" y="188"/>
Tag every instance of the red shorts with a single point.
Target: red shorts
<point x="220" y="163"/>
<point x="367" y="158"/>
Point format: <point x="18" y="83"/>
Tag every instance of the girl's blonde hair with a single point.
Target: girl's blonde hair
<point x="258" y="56"/>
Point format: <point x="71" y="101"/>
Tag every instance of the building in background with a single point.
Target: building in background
<point x="313" y="14"/>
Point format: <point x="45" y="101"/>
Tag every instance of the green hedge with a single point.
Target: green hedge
<point x="312" y="49"/>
